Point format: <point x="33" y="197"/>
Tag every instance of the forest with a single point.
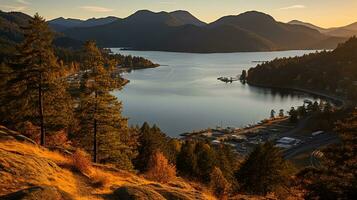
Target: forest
<point x="333" y="72"/>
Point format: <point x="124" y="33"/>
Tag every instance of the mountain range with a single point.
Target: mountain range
<point x="11" y="32"/>
<point x="180" y="31"/>
<point x="344" y="31"/>
<point x="61" y="24"/>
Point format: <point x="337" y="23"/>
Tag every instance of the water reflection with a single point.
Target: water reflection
<point x="185" y="95"/>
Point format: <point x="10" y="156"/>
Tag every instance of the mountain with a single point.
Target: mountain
<point x="284" y="36"/>
<point x="146" y="30"/>
<point x="344" y="31"/>
<point x="297" y="22"/>
<point x="11" y="23"/>
<point x="61" y="24"/>
<point x="187" y="18"/>
<point x="69" y="22"/>
<point x="11" y="32"/>
<point x="177" y="31"/>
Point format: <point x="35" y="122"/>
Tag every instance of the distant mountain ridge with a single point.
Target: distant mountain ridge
<point x="297" y="22"/>
<point x="344" y="31"/>
<point x="182" y="32"/>
<point x="61" y="24"/>
<point x="11" y="31"/>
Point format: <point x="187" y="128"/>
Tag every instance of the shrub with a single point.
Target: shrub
<point x="159" y="168"/>
<point x="81" y="161"/>
<point x="218" y="184"/>
<point x="57" y="139"/>
<point x="99" y="178"/>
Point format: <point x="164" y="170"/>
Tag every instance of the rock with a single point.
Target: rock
<point x="7" y="134"/>
<point x="22" y="138"/>
<point x="38" y="193"/>
<point x="135" y="193"/>
<point x="173" y="195"/>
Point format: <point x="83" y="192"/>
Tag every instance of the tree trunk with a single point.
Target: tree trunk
<point x="40" y="105"/>
<point x="95" y="142"/>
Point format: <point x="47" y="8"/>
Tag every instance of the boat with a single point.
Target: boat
<point x="228" y="79"/>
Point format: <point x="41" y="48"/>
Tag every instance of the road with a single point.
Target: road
<point x="312" y="144"/>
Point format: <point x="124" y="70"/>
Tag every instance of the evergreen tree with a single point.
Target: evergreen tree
<point x="218" y="183"/>
<point x="37" y="91"/>
<point x="206" y="160"/>
<point x="263" y="171"/>
<point x="150" y="140"/>
<point x="102" y="127"/>
<point x="187" y="159"/>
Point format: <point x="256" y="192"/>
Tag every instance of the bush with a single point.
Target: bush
<point x="159" y="168"/>
<point x="218" y="184"/>
<point x="81" y="161"/>
<point x="99" y="178"/>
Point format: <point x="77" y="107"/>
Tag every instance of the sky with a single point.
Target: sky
<point x="324" y="13"/>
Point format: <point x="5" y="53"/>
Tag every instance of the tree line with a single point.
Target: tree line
<point x="333" y="72"/>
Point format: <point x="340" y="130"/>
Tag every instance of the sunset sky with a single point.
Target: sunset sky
<point x="325" y="13"/>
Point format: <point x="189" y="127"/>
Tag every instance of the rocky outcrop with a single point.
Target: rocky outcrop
<point x="135" y="193"/>
<point x="38" y="193"/>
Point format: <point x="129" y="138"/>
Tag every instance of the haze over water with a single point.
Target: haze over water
<point x="184" y="94"/>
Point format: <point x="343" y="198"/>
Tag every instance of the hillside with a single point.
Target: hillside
<point x="35" y="171"/>
<point x="344" y="31"/>
<point x="333" y="72"/>
<point x="283" y="36"/>
<point x="187" y="18"/>
<point x="11" y="32"/>
<point x="178" y="31"/>
<point x="61" y="24"/>
<point x="312" y="26"/>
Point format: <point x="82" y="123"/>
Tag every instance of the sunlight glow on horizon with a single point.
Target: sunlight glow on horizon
<point x="324" y="13"/>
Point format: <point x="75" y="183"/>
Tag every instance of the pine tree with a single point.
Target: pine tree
<point x="102" y="128"/>
<point x="151" y="139"/>
<point x="218" y="184"/>
<point x="37" y="91"/>
<point x="264" y="170"/>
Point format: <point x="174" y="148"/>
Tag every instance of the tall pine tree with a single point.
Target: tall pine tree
<point x="36" y="91"/>
<point x="103" y="131"/>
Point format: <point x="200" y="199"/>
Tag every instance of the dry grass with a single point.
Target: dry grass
<point x="23" y="165"/>
<point x="29" y="149"/>
<point x="99" y="178"/>
<point x="81" y="161"/>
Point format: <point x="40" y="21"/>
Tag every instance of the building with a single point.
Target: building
<point x="288" y="141"/>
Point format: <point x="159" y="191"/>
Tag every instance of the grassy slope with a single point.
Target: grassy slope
<point x="23" y="165"/>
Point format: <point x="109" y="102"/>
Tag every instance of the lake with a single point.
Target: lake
<point x="184" y="94"/>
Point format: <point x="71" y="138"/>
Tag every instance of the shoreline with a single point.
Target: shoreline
<point x="341" y="101"/>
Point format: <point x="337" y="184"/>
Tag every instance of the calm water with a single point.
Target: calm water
<point x="185" y="95"/>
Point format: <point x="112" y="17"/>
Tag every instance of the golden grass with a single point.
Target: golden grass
<point x="29" y="149"/>
<point x="29" y="165"/>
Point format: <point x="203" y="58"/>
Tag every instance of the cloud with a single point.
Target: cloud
<point x="167" y="2"/>
<point x="96" y="9"/>
<point x="13" y="8"/>
<point x="293" y="7"/>
<point x="25" y="2"/>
